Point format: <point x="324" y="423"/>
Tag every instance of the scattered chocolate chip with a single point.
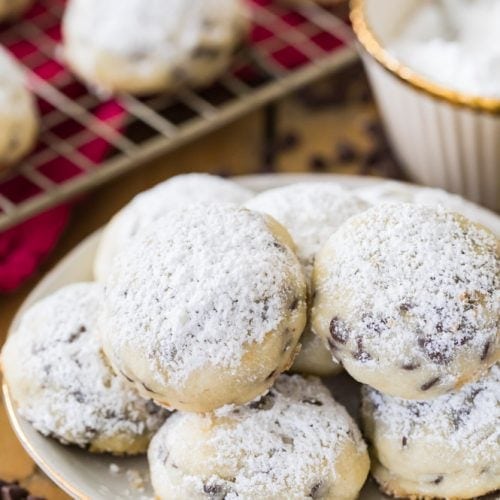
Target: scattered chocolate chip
<point x="214" y="490"/>
<point x="12" y="491"/>
<point x="313" y="401"/>
<point x="78" y="395"/>
<point x="433" y="352"/>
<point x="405" y="307"/>
<point x="404" y="441"/>
<point x="361" y="354"/>
<point x="289" y="141"/>
<point x="374" y="324"/>
<point x="318" y="163"/>
<point x="266" y="402"/>
<point x="438" y="480"/>
<point x="486" y="350"/>
<point x="410" y="366"/>
<point x="346" y="152"/>
<point x="317" y="490"/>
<point x="338" y="330"/>
<point x="76" y="334"/>
<point x="287" y="439"/>
<point x="429" y="384"/>
<point x="294" y="304"/>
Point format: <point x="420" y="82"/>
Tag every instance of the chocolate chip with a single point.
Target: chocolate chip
<point x="374" y="324"/>
<point x="432" y="382"/>
<point x="13" y="491"/>
<point x="338" y="330"/>
<point x="404" y="441"/>
<point x="294" y="304"/>
<point x="433" y="352"/>
<point x="318" y="490"/>
<point x="486" y="350"/>
<point x="78" y="395"/>
<point x="405" y="307"/>
<point x="318" y="163"/>
<point x="361" y="354"/>
<point x="438" y="480"/>
<point x="266" y="402"/>
<point x="410" y="366"/>
<point x="215" y="490"/>
<point x="287" y="439"/>
<point x="313" y="401"/>
<point x="289" y="141"/>
<point x="76" y="334"/>
<point x="346" y="152"/>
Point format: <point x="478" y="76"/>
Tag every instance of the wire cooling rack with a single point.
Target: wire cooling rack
<point x="86" y="141"/>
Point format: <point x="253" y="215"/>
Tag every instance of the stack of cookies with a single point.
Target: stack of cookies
<point x="205" y="294"/>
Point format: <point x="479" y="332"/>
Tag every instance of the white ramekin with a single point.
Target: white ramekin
<point x="442" y="138"/>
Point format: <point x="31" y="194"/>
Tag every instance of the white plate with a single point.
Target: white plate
<point x="85" y="475"/>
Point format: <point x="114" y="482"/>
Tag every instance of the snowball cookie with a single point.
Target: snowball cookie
<point x="152" y="204"/>
<point x="407" y="297"/>
<point x="205" y="307"/>
<point x="61" y="382"/>
<point x="445" y="448"/>
<point x="311" y="212"/>
<point x="295" y="442"/>
<point x="144" y="47"/>
<point x="10" y="9"/>
<point x="18" y="114"/>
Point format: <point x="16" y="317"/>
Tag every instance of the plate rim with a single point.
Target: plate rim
<point x="261" y="180"/>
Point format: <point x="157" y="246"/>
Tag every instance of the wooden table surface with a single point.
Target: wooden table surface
<point x="312" y="130"/>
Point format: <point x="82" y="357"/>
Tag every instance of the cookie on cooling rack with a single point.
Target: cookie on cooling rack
<point x="137" y="47"/>
<point x="10" y="9"/>
<point x="205" y="307"/>
<point x="61" y="382"/>
<point x="294" y="442"/>
<point x="311" y="212"/>
<point x="18" y="114"/>
<point x="407" y="297"/>
<point x="148" y="206"/>
<point x="445" y="448"/>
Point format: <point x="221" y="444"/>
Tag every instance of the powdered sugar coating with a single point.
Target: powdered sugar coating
<point x="149" y="205"/>
<point x="446" y="447"/>
<point x="126" y="45"/>
<point x="196" y="291"/>
<point x="464" y="420"/>
<point x="411" y="288"/>
<point x="310" y="211"/>
<point x="294" y="442"/>
<point x="390" y="192"/>
<point x="18" y="116"/>
<point x="62" y="383"/>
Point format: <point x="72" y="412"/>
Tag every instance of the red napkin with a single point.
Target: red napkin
<point x="23" y="247"/>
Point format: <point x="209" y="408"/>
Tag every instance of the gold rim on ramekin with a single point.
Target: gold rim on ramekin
<point x="374" y="47"/>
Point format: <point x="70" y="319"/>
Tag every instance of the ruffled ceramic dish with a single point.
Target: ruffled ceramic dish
<point x="101" y="477"/>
